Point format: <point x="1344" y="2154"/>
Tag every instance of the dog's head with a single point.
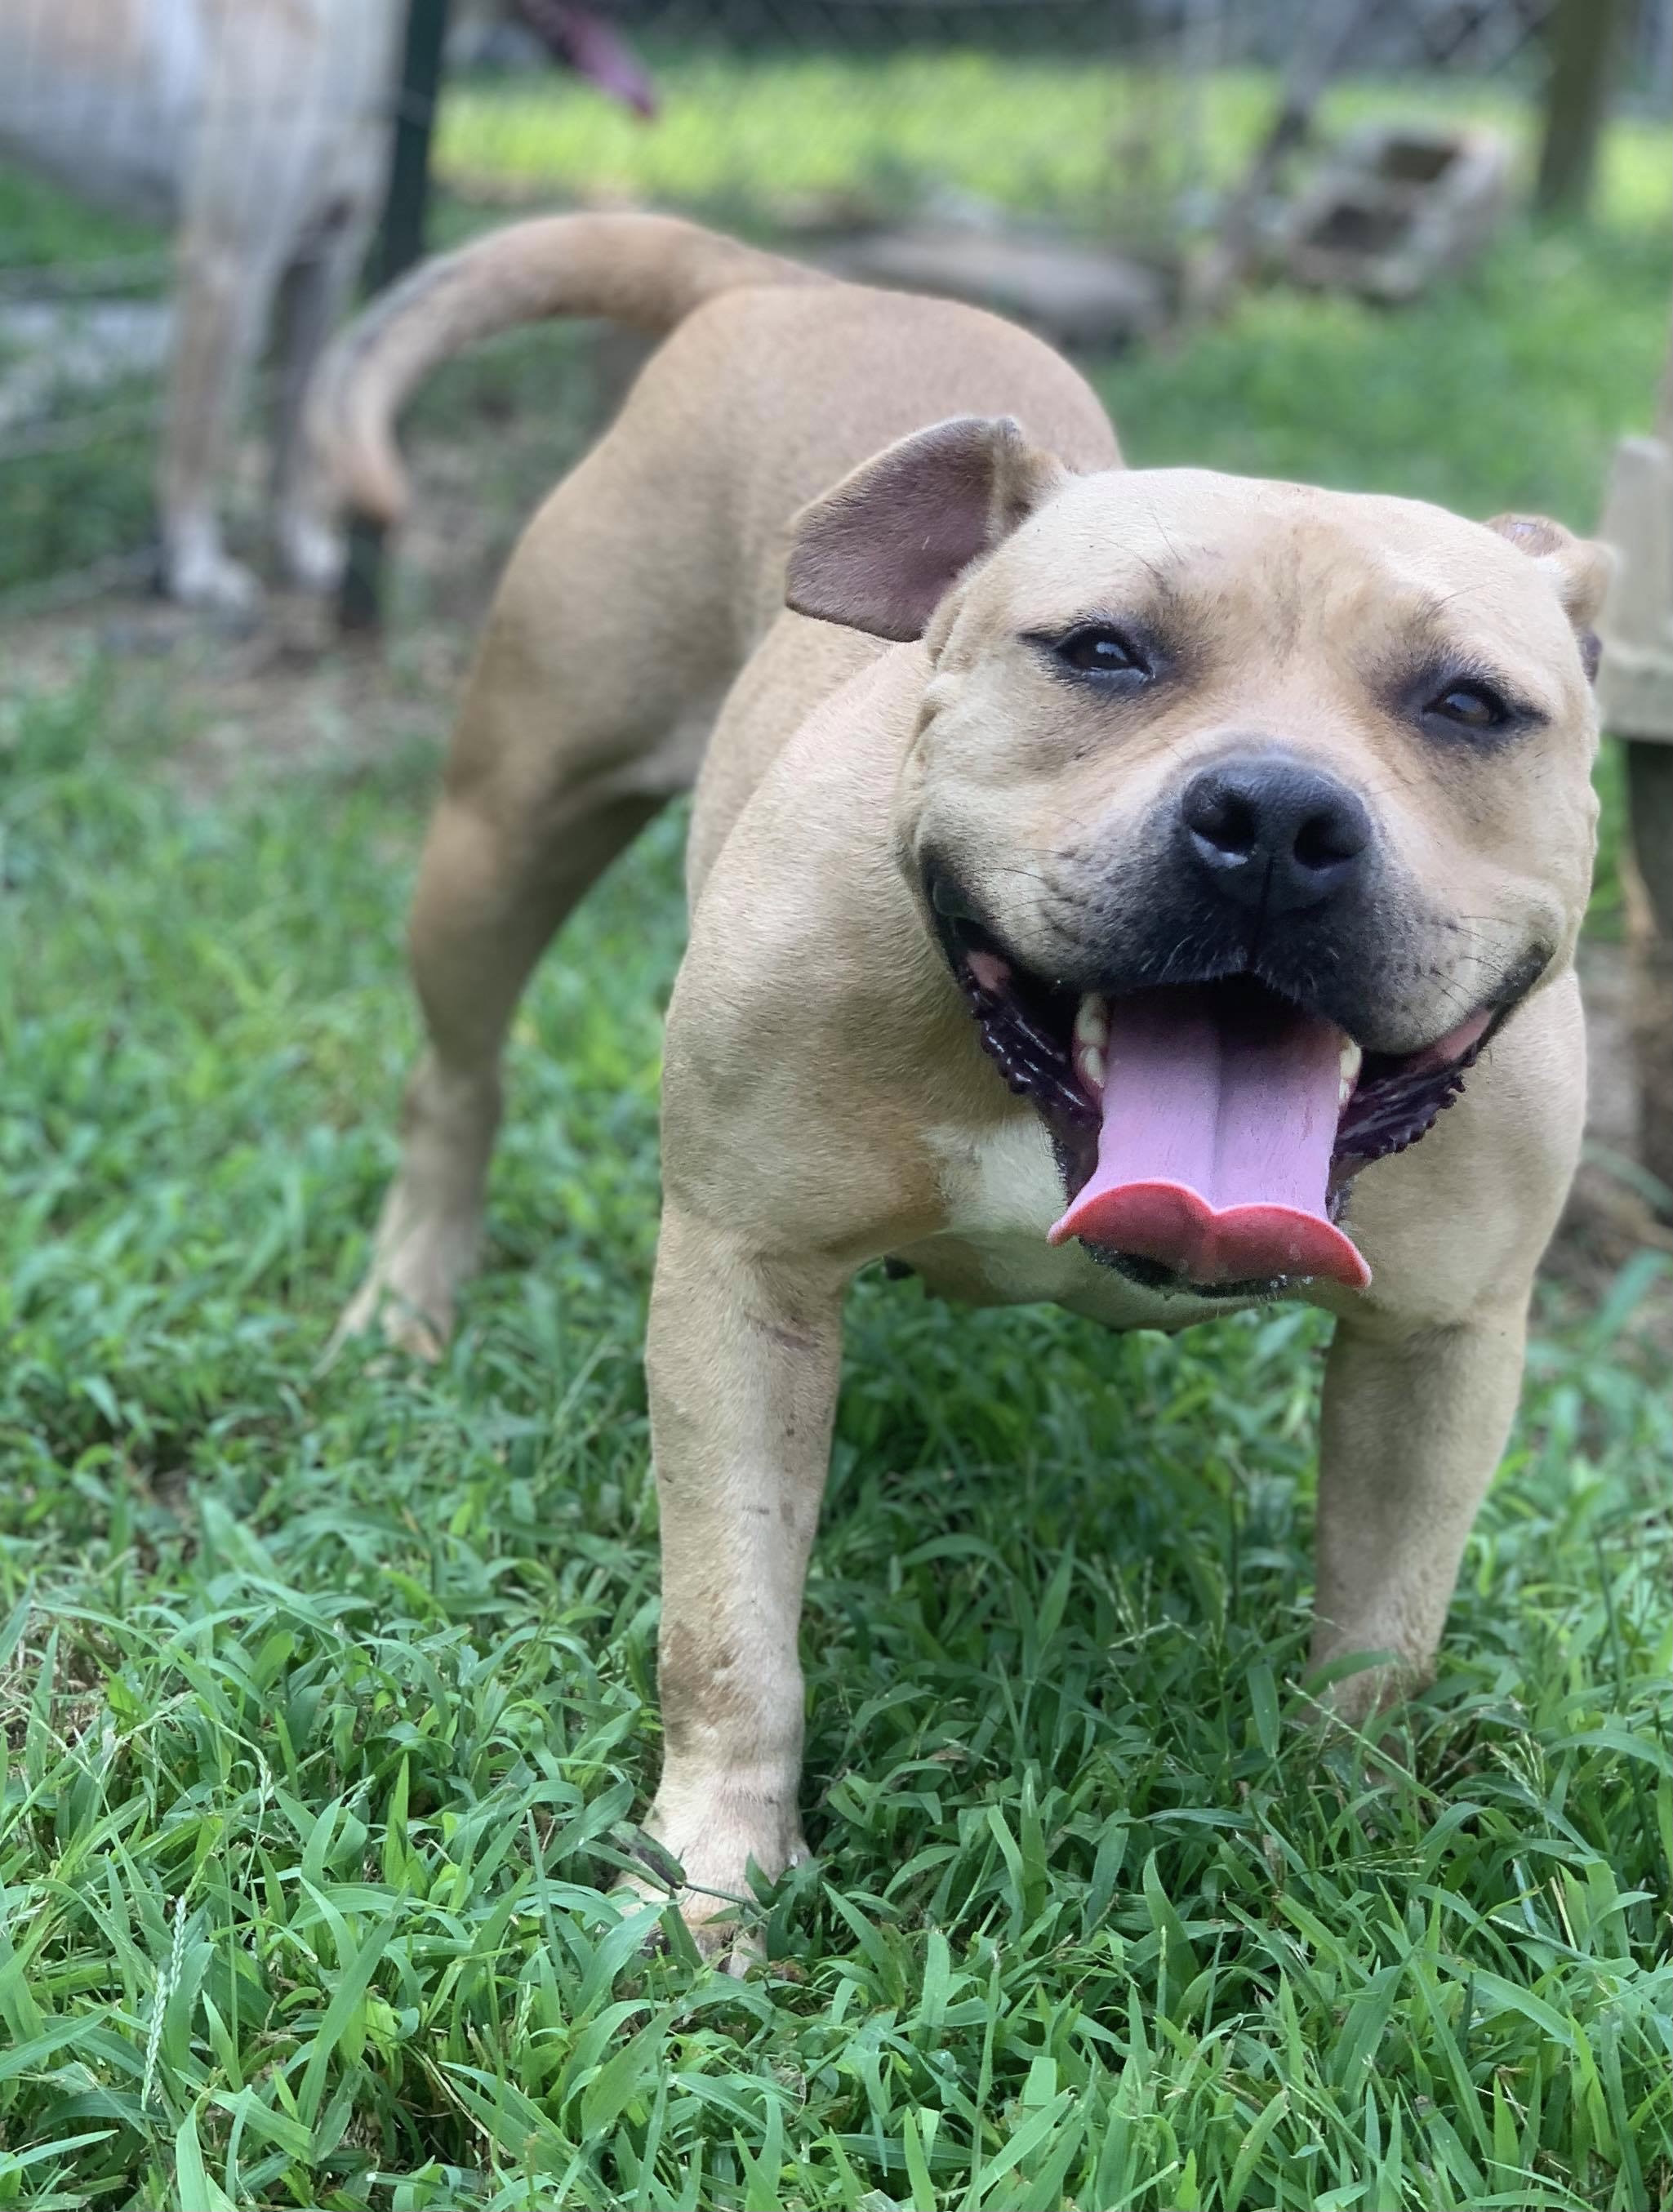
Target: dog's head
<point x="1244" y="813"/>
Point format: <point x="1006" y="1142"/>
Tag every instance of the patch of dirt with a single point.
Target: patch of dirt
<point x="1610" y="1217"/>
<point x="285" y="691"/>
<point x="282" y="697"/>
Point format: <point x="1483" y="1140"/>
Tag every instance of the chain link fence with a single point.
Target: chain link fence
<point x="1121" y="121"/>
<point x="1116" y="117"/>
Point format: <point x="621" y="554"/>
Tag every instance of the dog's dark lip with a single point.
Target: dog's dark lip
<point x="1152" y="1275"/>
<point x="1025" y="1021"/>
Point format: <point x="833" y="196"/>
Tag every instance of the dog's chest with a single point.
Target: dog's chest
<point x="1002" y="1193"/>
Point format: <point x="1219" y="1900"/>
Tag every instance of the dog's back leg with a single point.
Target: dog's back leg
<point x="590" y="706"/>
<point x="316" y="288"/>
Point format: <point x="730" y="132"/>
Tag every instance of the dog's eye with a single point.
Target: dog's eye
<point x="1472" y="706"/>
<point x="1097" y="650"/>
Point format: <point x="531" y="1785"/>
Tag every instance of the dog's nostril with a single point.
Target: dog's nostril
<point x="1224" y="818"/>
<point x="1326" y="839"/>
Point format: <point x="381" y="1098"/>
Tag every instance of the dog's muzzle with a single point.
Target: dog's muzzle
<point x="1208" y="1126"/>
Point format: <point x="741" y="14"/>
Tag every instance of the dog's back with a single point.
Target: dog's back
<point x="772" y="382"/>
<point x="641" y="588"/>
<point x="124" y="102"/>
<point x="98" y="94"/>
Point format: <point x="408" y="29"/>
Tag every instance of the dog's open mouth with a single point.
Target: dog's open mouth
<point x="1206" y="1132"/>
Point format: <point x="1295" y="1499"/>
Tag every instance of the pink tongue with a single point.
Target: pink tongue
<point x="1220" y="1118"/>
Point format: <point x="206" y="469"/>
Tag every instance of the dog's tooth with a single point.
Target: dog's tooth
<point x="1091" y="1022"/>
<point x="1092" y="1065"/>
<point x="991" y="973"/>
<point x="1352" y="1059"/>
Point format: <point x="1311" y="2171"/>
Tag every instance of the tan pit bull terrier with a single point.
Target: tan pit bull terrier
<point x="1101" y="879"/>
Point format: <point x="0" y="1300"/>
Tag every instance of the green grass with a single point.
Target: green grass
<point x="42" y="228"/>
<point x="326" y="1699"/>
<point x="66" y="509"/>
<point x="1086" y="139"/>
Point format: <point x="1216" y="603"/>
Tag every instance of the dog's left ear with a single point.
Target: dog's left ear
<point x="1579" y="567"/>
<point x="881" y="551"/>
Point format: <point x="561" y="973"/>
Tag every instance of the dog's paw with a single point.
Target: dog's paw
<point x="312" y="553"/>
<point x="380" y="1307"/>
<point x="715" y="1850"/>
<point x="419" y="1259"/>
<point x="728" y="1943"/>
<point x="203" y="576"/>
<point x="728" y="1946"/>
<point x="1361" y="1691"/>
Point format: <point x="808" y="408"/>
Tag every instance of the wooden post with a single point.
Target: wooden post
<point x="1585" y="42"/>
<point x="1635" y="686"/>
<point x="1650" y="809"/>
<point x="400" y="242"/>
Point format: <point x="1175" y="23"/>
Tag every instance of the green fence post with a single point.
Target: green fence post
<point x="400" y="242"/>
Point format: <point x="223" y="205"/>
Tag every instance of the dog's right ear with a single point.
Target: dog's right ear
<point x="881" y="551"/>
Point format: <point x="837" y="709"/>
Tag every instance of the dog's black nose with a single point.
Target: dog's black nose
<point x="1273" y="833"/>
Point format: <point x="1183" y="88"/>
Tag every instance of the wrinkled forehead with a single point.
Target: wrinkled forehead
<point x="1199" y="552"/>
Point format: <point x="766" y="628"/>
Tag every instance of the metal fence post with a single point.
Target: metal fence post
<point x="400" y="242"/>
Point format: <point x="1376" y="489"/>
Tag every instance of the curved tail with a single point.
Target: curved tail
<point x="648" y="271"/>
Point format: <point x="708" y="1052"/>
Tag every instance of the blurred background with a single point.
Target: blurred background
<point x="1207" y="199"/>
<point x="1417" y="246"/>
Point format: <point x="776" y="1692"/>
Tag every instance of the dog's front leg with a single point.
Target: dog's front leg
<point x="1412" y="1430"/>
<point x="742" y="1359"/>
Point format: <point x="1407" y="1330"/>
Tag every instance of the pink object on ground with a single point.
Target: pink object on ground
<point x="1219" y="1119"/>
